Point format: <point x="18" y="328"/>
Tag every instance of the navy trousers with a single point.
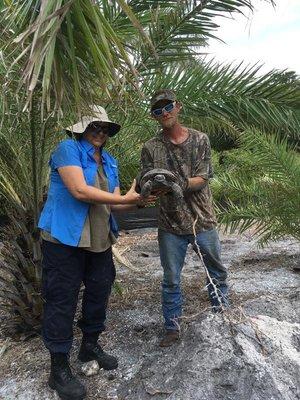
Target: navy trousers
<point x="64" y="269"/>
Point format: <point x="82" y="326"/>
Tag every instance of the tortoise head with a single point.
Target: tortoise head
<point x="160" y="178"/>
<point x="157" y="174"/>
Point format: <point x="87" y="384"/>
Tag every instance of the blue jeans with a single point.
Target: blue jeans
<point x="172" y="250"/>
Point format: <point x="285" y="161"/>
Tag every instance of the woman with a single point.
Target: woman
<point x="78" y="231"/>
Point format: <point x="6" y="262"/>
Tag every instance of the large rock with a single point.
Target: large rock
<point x="234" y="358"/>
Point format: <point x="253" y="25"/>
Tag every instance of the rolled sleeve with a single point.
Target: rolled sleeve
<point x="66" y="154"/>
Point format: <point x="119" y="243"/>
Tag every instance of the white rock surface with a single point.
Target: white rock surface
<point x="89" y="368"/>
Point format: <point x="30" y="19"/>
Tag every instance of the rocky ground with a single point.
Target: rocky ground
<point x="250" y="353"/>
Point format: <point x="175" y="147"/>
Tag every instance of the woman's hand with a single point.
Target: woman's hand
<point x="132" y="197"/>
<point x="125" y="206"/>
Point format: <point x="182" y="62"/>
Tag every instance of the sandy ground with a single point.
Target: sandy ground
<point x="264" y="291"/>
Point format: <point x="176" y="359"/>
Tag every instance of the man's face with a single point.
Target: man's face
<point x="168" y="118"/>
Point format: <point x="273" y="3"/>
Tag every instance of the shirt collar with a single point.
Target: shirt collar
<point x="164" y="139"/>
<point x="89" y="148"/>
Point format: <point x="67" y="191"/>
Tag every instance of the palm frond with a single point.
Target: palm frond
<point x="72" y="50"/>
<point x="61" y="32"/>
<point x="265" y="196"/>
<point x="181" y="28"/>
<point x="236" y="95"/>
<point x="275" y="156"/>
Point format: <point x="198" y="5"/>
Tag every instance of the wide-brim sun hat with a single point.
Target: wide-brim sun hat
<point x="98" y="114"/>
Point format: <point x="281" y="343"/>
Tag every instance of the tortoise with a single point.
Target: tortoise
<point x="159" y="179"/>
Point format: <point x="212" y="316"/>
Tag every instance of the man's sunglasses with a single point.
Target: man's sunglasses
<point x="168" y="108"/>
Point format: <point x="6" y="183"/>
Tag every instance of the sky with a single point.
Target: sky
<point x="270" y="35"/>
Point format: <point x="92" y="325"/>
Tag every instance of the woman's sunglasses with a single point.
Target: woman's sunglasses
<point x="168" y="108"/>
<point x="97" y="128"/>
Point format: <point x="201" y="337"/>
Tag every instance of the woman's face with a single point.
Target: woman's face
<point x="97" y="133"/>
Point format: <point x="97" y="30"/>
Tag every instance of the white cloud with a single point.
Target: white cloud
<point x="269" y="35"/>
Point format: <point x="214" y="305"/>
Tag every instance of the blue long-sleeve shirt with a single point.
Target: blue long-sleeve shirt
<point x="63" y="216"/>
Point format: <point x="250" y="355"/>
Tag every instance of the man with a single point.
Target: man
<point x="185" y="152"/>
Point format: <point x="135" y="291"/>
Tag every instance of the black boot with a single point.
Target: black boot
<point x="62" y="380"/>
<point x="91" y="350"/>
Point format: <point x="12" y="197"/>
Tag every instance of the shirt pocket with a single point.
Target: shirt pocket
<point x="112" y="177"/>
<point x="89" y="173"/>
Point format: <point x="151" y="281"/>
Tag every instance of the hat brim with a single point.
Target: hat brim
<point x="81" y="126"/>
<point x="113" y="129"/>
<point x="170" y="96"/>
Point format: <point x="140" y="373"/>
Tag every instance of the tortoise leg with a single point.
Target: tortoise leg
<point x="146" y="189"/>
<point x="176" y="189"/>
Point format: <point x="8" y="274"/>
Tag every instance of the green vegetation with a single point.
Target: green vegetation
<point x="58" y="57"/>
<point x="260" y="187"/>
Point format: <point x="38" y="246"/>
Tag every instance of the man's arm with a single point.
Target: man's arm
<point x="202" y="168"/>
<point x="147" y="162"/>
<point x="196" y="183"/>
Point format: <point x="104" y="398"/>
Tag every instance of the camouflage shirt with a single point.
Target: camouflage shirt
<point x="188" y="159"/>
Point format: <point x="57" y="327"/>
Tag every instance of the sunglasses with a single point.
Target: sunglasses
<point x="168" y="108"/>
<point x="97" y="128"/>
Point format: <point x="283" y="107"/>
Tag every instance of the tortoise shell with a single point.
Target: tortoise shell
<point x="157" y="179"/>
